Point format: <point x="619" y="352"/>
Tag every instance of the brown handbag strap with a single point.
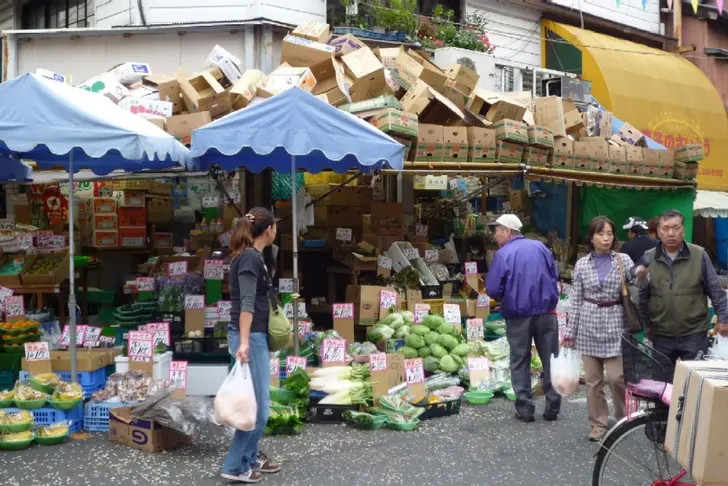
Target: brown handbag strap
<point x="625" y="292"/>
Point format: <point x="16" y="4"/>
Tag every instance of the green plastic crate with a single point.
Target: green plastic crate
<point x="8" y="379"/>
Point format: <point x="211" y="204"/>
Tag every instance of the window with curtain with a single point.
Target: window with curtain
<point x="57" y="14"/>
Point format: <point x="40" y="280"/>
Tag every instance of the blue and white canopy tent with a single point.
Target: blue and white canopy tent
<point x="60" y="126"/>
<point x="290" y="131"/>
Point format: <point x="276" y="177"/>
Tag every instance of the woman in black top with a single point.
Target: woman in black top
<point x="250" y="285"/>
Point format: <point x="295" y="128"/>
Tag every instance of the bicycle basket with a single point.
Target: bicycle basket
<point x="646" y="371"/>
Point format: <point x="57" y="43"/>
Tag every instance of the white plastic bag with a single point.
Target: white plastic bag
<point x="235" y="404"/>
<point x="565" y="372"/>
<point x="720" y="347"/>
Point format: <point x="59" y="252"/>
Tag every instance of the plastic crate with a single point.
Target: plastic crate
<point x="8" y="379"/>
<point x="96" y="416"/>
<point x="90" y="381"/>
<point x="442" y="409"/>
<point x="328" y="414"/>
<point x="50" y="416"/>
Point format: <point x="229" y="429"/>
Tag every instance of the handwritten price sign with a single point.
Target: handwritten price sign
<point x="343" y="234"/>
<point x="213" y="270"/>
<point x="343" y="311"/>
<point x="483" y="301"/>
<point x="432" y="256"/>
<point x="414" y="371"/>
<point x="421" y="311"/>
<point x="179" y="249"/>
<point x="295" y="362"/>
<point x="285" y="285"/>
<point x="471" y="268"/>
<point x="107" y="340"/>
<point x="421" y="230"/>
<point x="275" y="367"/>
<point x="14" y="306"/>
<point x="24" y="241"/>
<point x="378" y="362"/>
<point x="384" y="262"/>
<point x="333" y="351"/>
<point x="177" y="269"/>
<point x="160" y="330"/>
<point x="80" y="335"/>
<point x="478" y="364"/>
<point x="210" y="202"/>
<point x="5" y="293"/>
<point x="304" y="329"/>
<point x="411" y="253"/>
<point x="224" y="308"/>
<point x="91" y="339"/>
<point x="194" y="302"/>
<point x="475" y="329"/>
<point x="225" y="238"/>
<point x="387" y="299"/>
<point x="178" y="374"/>
<point x="37" y="352"/>
<point x="145" y="284"/>
<point x="141" y="345"/>
<point x="452" y="313"/>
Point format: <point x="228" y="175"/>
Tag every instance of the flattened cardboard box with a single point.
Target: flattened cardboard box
<point x="143" y="434"/>
<point x="396" y="122"/>
<point x="481" y="144"/>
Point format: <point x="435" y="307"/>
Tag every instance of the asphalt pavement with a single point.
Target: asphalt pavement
<point x="483" y="445"/>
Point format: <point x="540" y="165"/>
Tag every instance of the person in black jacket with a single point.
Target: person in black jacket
<point x="639" y="240"/>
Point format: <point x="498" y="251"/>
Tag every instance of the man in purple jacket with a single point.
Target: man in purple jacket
<point x="523" y="278"/>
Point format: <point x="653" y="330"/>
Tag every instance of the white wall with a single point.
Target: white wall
<point x="514" y="30"/>
<point x="6" y="15"/>
<point x="629" y="12"/>
<point x="112" y="13"/>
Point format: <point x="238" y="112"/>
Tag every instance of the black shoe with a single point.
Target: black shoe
<point x="550" y="416"/>
<point x="525" y="418"/>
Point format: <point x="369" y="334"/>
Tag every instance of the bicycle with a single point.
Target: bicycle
<point x="647" y="381"/>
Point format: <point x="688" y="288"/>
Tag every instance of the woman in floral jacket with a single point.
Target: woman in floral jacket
<point x="597" y="320"/>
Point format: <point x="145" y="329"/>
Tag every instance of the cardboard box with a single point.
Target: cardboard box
<point x="563" y="157"/>
<point x="573" y="120"/>
<point x="407" y="71"/>
<point x="366" y="302"/>
<point x="387" y="214"/>
<point x="345" y="44"/>
<point x="700" y="408"/>
<point x="285" y="77"/>
<point x="631" y="136"/>
<point x="481" y="144"/>
<point x="519" y="202"/>
<point x="511" y="131"/>
<point x="167" y="90"/>
<point x="582" y="156"/>
<point x="650" y="162"/>
<point x="61" y="78"/>
<point x="454" y="144"/>
<point x="104" y="239"/>
<point x="131" y="72"/>
<point x="106" y="85"/>
<point x="54" y="277"/>
<point x="129" y="199"/>
<point x="394" y="122"/>
<point x="549" y="112"/>
<point x="462" y="78"/>
<point x="133" y="237"/>
<point x="181" y="126"/>
<point x="431" y="106"/>
<point x="334" y="86"/>
<point x="203" y="92"/>
<point x="666" y="159"/>
<point x="147" y="107"/>
<point x="103" y="205"/>
<point x="243" y="91"/>
<point x="508" y="153"/>
<point x="633" y="154"/>
<point x="685" y="171"/>
<point x="690" y="153"/>
<point x="131" y="217"/>
<point x="430" y="139"/>
<point x="367" y="74"/>
<point x="494" y="107"/>
<point x="300" y="52"/>
<point x="541" y="137"/>
<point x="163" y="240"/>
<point x="159" y="209"/>
<point x="158" y="122"/>
<point x="535" y="156"/>
<point x="598" y="153"/>
<point x="337" y="216"/>
<point x="342" y="196"/>
<point x="617" y="159"/>
<point x="143" y="434"/>
<point x="603" y="125"/>
<point x="227" y="63"/>
<point x="388" y="56"/>
<point x="313" y="30"/>
<point x="104" y="222"/>
<point x="368" y="108"/>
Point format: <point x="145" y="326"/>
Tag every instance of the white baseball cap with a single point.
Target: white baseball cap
<point x="509" y="221"/>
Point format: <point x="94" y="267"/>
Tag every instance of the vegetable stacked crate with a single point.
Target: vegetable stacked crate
<point x="50" y="416"/>
<point x="90" y="381"/>
<point x="96" y="416"/>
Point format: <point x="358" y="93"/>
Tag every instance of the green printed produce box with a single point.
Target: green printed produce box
<point x="511" y="131"/>
<point x="395" y="122"/>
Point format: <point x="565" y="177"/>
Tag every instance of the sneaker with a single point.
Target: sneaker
<point x="246" y="477"/>
<point x="525" y="418"/>
<point x="550" y="416"/>
<point x="264" y="465"/>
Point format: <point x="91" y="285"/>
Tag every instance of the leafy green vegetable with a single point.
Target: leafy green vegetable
<point x="407" y="316"/>
<point x="433" y="321"/>
<point x="408" y="352"/>
<point x="414" y="341"/>
<point x="298" y="382"/>
<point x="402" y="332"/>
<point x="390" y="319"/>
<point x="438" y="351"/>
<point x="448" y="364"/>
<point x="380" y="332"/>
<point x="424" y="352"/>
<point x="448" y="342"/>
<point x="432" y="364"/>
<point x="461" y="350"/>
<point x="421" y="330"/>
<point x="283" y="421"/>
<point x="457" y="359"/>
<point x="446" y="328"/>
<point x="431" y="338"/>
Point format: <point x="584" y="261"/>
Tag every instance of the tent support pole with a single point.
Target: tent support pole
<point x="294" y="222"/>
<point x="71" y="271"/>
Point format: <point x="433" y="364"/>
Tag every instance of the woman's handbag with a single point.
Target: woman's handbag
<point x="633" y="323"/>
<point x="279" y="327"/>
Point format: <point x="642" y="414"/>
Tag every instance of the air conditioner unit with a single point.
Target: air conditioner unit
<point x="578" y="90"/>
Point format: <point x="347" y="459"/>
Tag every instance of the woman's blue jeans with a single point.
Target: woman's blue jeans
<point x="244" y="451"/>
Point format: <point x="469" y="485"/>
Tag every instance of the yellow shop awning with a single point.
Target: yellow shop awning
<point x="661" y="94"/>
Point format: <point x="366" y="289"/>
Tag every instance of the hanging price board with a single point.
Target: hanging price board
<point x="225" y="238"/>
<point x="177" y="269"/>
<point x="411" y="253"/>
<point x="333" y="352"/>
<point x="178" y="378"/>
<point x="414" y="377"/>
<point x="5" y="293"/>
<point x="479" y="370"/>
<point x="300" y="307"/>
<point x="482" y="306"/>
<point x="80" y="336"/>
<point x="304" y="329"/>
<point x="20" y="200"/>
<point x="194" y="302"/>
<point x="24" y="241"/>
<point x="343" y="234"/>
<point x="37" y="351"/>
<point x="343" y="311"/>
<point x="474" y="329"/>
<point x="293" y="363"/>
<point x="14" y="307"/>
<point x="224" y="308"/>
<point x="452" y="314"/>
<point x="483" y="301"/>
<point x="421" y="311"/>
<point x="378" y="362"/>
<point x="92" y="336"/>
<point x="285" y="285"/>
<point x="343" y="315"/>
<point x="471" y="268"/>
<point x="275" y="372"/>
<point x="141" y="346"/>
<point x="145" y="284"/>
<point x="7" y="228"/>
<point x="210" y="202"/>
<point x="213" y="270"/>
<point x="161" y="333"/>
<point x="432" y="256"/>
<point x="421" y="230"/>
<point x="384" y="266"/>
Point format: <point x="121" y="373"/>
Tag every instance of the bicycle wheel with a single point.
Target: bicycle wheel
<point x="633" y="454"/>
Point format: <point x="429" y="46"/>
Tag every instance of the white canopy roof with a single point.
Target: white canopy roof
<point x="711" y="204"/>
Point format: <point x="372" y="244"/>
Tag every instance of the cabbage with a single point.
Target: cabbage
<point x="415" y="341"/>
<point x="457" y="359"/>
<point x="438" y="351"/>
<point x="380" y="333"/>
<point x="420" y="330"/>
<point x="407" y="316"/>
<point x="448" y="364"/>
<point x="424" y="352"/>
<point x="402" y="332"/>
<point x="408" y="352"/>
<point x="448" y="342"/>
<point x="461" y="350"/>
<point x="391" y="319"/>
<point x="432" y="364"/>
<point x="433" y="321"/>
<point x="446" y="328"/>
<point x="431" y="338"/>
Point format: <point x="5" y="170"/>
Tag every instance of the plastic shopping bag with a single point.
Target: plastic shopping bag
<point x="720" y="347"/>
<point x="565" y="372"/>
<point x="235" y="404"/>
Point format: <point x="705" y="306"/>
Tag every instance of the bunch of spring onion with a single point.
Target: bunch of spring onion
<point x="345" y="385"/>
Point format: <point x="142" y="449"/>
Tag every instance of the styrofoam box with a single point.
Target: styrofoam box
<point x="399" y="262"/>
<point x="161" y="365"/>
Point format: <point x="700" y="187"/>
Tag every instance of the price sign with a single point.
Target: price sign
<point x="224" y="307"/>
<point x="213" y="270"/>
<point x="295" y="362"/>
<point x="421" y="230"/>
<point x="80" y="336"/>
<point x="414" y="371"/>
<point x="478" y="369"/>
<point x="225" y="238"/>
<point x="300" y="307"/>
<point x="7" y="227"/>
<point x="141" y="346"/>
<point x="304" y="329"/>
<point x="452" y="314"/>
<point x="20" y="200"/>
<point x="285" y="285"/>
<point x="56" y="241"/>
<point x="210" y="202"/>
<point x="378" y="362"/>
<point x="110" y="340"/>
<point x="177" y="269"/>
<point x="421" y="311"/>
<point x="37" y="351"/>
<point x="14" y="306"/>
<point x="275" y="366"/>
<point x="24" y="241"/>
<point x="384" y="262"/>
<point x="145" y="284"/>
<point x="475" y="329"/>
<point x="411" y="253"/>
<point x="387" y="299"/>
<point x="194" y="302"/>
<point x="343" y="311"/>
<point x="343" y="234"/>
<point x="5" y="293"/>
<point x="235" y="196"/>
<point x="432" y="255"/>
<point x="160" y="330"/>
<point x="179" y="249"/>
<point x="333" y="351"/>
<point x="483" y="301"/>
<point x="471" y="268"/>
<point x="91" y="339"/>
<point x="178" y="374"/>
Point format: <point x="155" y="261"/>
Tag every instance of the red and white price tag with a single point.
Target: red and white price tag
<point x="141" y="346"/>
<point x="343" y="234"/>
<point x="161" y="333"/>
<point x="194" y="302"/>
<point x="111" y="340"/>
<point x="452" y="314"/>
<point x="378" y="362"/>
<point x="295" y="362"/>
<point x="224" y="309"/>
<point x="421" y="311"/>
<point x="24" y="241"/>
<point x="225" y="238"/>
<point x="92" y="337"/>
<point x="145" y="284"/>
<point x="177" y="269"/>
<point x="471" y="268"/>
<point x="285" y="285"/>
<point x="387" y="299"/>
<point x="414" y="371"/>
<point x="343" y="311"/>
<point x="80" y="336"/>
<point x="38" y="351"/>
<point x="178" y="374"/>
<point x="304" y="329"/>
<point x="14" y="306"/>
<point x="213" y="270"/>
<point x="478" y="364"/>
<point x="421" y="230"/>
<point x="333" y="351"/>
<point x="5" y="293"/>
<point x="475" y="329"/>
<point x="483" y="301"/>
<point x="432" y="256"/>
<point x="275" y="366"/>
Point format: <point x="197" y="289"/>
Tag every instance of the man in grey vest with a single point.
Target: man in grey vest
<point x="674" y="304"/>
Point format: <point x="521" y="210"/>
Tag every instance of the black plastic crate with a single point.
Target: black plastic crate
<point x="431" y="291"/>
<point x="328" y="414"/>
<point x="442" y="409"/>
<point x="176" y="320"/>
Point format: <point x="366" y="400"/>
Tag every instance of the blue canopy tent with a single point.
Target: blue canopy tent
<point x="294" y="130"/>
<point x="60" y="126"/>
<point x="13" y="170"/>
